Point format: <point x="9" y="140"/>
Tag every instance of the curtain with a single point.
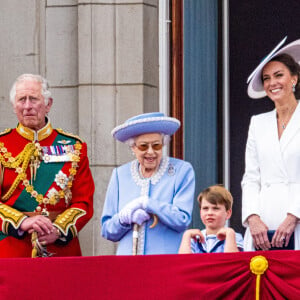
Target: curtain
<point x="185" y="276"/>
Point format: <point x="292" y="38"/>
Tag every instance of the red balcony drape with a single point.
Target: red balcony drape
<point x="190" y="276"/>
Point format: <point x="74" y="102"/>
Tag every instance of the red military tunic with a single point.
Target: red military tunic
<point x="46" y="171"/>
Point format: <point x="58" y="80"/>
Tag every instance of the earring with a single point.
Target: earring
<point x="294" y="87"/>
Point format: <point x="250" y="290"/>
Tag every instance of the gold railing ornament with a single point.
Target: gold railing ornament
<point x="258" y="266"/>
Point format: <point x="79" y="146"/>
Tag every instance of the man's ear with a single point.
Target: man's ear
<point x="49" y="105"/>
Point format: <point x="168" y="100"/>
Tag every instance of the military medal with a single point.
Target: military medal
<point x="58" y="153"/>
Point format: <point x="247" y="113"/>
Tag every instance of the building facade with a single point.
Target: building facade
<point x="101" y="59"/>
<point x="107" y="60"/>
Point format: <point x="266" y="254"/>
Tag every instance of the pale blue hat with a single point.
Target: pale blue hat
<point x="154" y="122"/>
<point x="255" y="85"/>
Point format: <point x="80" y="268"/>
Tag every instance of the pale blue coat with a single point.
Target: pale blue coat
<point x="171" y="196"/>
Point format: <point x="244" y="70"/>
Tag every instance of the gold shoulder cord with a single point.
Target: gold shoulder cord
<point x="32" y="154"/>
<point x="1" y="174"/>
<point x="20" y="163"/>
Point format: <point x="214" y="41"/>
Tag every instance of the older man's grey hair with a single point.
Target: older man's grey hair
<point x="31" y="77"/>
<point x="165" y="140"/>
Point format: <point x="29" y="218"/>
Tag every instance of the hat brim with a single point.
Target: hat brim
<point x="255" y="86"/>
<point x="165" y="125"/>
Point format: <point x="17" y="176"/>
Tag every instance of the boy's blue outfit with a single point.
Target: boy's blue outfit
<point x="213" y="245"/>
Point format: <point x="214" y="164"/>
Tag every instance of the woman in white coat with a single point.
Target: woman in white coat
<point x="271" y="182"/>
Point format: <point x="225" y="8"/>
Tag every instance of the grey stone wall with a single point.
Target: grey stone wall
<point x="101" y="58"/>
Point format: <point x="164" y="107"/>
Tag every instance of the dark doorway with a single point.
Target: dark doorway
<point x="255" y="28"/>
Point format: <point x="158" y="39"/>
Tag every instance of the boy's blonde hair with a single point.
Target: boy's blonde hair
<point x="216" y="194"/>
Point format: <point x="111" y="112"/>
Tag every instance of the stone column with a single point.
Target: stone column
<point x="61" y="61"/>
<point x="118" y="78"/>
<point x="20" y="48"/>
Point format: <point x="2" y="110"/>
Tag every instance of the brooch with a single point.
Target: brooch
<point x="171" y="170"/>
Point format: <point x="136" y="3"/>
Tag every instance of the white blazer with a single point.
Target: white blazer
<point x="271" y="182"/>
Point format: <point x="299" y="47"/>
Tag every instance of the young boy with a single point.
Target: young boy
<point x="215" y="204"/>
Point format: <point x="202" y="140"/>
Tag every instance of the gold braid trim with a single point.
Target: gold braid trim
<point x="23" y="158"/>
<point x="11" y="216"/>
<point x="67" y="220"/>
<point x="32" y="152"/>
<point x="8" y="161"/>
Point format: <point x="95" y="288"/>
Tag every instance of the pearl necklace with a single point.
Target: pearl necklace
<point x="155" y="178"/>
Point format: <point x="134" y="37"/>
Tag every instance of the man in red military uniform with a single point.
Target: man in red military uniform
<point x="46" y="183"/>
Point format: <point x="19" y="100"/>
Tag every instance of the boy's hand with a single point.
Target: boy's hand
<point x="195" y="234"/>
<point x="223" y="232"/>
<point x="228" y="234"/>
<point x="185" y="246"/>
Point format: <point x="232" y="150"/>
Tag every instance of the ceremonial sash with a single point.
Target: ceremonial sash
<point x="45" y="177"/>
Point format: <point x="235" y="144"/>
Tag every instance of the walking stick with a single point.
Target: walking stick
<point x="135" y="234"/>
<point x="135" y="238"/>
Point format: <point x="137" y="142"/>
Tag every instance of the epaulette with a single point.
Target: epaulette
<point x="5" y="131"/>
<point x="59" y="130"/>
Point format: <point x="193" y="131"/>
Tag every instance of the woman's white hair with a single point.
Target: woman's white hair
<point x="165" y="140"/>
<point x="31" y="77"/>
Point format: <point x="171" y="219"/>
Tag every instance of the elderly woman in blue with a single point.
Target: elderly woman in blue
<point x="150" y="189"/>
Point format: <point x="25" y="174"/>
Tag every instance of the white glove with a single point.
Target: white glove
<point x="140" y="216"/>
<point x="125" y="215"/>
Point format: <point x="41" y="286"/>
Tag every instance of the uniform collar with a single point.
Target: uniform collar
<point x="33" y="135"/>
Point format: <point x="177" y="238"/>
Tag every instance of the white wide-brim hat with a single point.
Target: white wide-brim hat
<point x="255" y="85"/>
<point x="154" y="122"/>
